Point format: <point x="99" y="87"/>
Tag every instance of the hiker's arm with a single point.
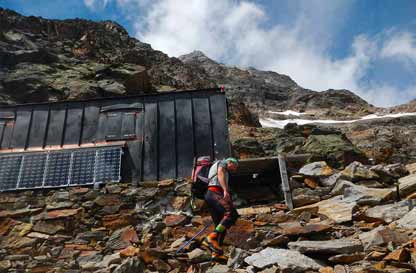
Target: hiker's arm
<point x="221" y="179"/>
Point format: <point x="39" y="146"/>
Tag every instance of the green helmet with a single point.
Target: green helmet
<point x="233" y="160"/>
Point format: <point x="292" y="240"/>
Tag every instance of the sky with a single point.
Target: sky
<point x="366" y="46"/>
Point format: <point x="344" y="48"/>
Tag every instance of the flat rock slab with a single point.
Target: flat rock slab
<point x="407" y="185"/>
<point x="295" y="228"/>
<point x="389" y="213"/>
<point x="340" y="246"/>
<point x="337" y="208"/>
<point x="408" y="220"/>
<point x="285" y="259"/>
<point x="174" y="220"/>
<point x="382" y="235"/>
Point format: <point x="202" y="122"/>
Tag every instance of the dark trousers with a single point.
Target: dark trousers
<point x="222" y="211"/>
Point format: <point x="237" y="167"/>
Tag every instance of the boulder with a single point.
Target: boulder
<point x="285" y="259"/>
<point x="330" y="181"/>
<point x="357" y="171"/>
<point x="248" y="148"/>
<point x="304" y="196"/>
<point x="335" y="149"/>
<point x="390" y="173"/>
<point x="390" y="212"/>
<point x="339" y="246"/>
<point x="317" y="169"/>
<point x="361" y="194"/>
<point x="368" y="196"/>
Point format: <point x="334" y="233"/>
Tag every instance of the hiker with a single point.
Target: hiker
<point x="220" y="204"/>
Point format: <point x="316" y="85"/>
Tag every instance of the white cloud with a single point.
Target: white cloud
<point x="239" y="33"/>
<point x="401" y="46"/>
<point x="96" y="4"/>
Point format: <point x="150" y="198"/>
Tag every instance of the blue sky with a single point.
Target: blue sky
<point x="366" y="46"/>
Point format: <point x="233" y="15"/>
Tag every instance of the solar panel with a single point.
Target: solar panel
<point x="9" y="171"/>
<point x="108" y="165"/>
<point x="57" y="171"/>
<point x="83" y="167"/>
<point x="60" y="168"/>
<point x="33" y="170"/>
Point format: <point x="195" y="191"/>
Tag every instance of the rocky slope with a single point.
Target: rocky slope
<point x="264" y="91"/>
<point x="49" y="60"/>
<point x="53" y="60"/>
<point x="345" y="220"/>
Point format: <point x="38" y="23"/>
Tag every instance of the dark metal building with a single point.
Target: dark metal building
<point x="159" y="134"/>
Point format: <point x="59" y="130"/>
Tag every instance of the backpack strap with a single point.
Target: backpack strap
<point x="216" y="174"/>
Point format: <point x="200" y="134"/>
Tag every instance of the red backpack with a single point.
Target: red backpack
<point x="200" y="179"/>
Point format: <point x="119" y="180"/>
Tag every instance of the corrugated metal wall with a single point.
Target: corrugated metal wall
<point x="164" y="132"/>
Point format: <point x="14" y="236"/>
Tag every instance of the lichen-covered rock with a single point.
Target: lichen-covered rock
<point x="335" y="149"/>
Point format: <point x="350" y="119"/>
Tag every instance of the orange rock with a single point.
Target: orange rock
<point x="399" y="255"/>
<point x="130" y="235"/>
<point x="116" y="221"/>
<point x="6" y="225"/>
<point x="376" y="255"/>
<point x="380" y="265"/>
<point x="326" y="269"/>
<point x="411" y="196"/>
<point x="174" y="220"/>
<point x="129" y="252"/>
<point x="78" y="247"/>
<point x="339" y="269"/>
<point x="79" y="190"/>
<point x="63" y="213"/>
<point x="311" y="183"/>
<point x="239" y="233"/>
<point x="280" y="206"/>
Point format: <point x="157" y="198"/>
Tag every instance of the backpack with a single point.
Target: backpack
<point x="200" y="179"/>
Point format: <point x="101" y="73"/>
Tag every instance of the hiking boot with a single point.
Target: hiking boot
<point x="211" y="242"/>
<point x="219" y="258"/>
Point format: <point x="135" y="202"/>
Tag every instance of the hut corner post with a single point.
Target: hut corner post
<point x="285" y="182"/>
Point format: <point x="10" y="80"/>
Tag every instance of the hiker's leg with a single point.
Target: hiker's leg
<point x="217" y="213"/>
<point x="230" y="213"/>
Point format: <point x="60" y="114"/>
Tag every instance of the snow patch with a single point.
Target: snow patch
<point x="274" y="123"/>
<point x="288" y="113"/>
